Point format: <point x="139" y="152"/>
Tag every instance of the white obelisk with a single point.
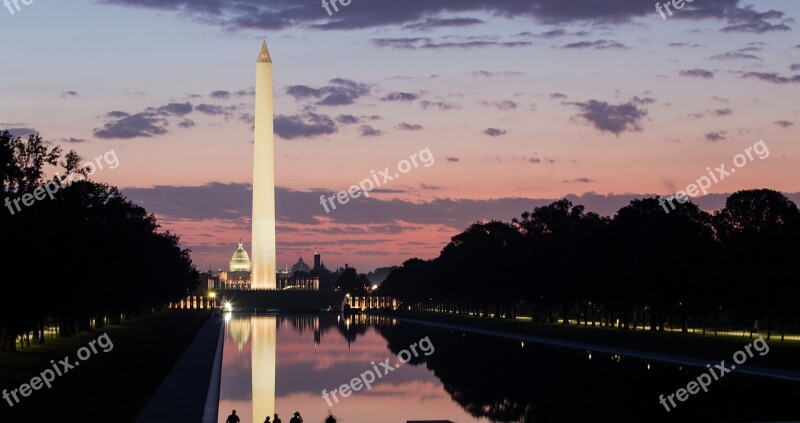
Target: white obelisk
<point x="263" y="264"/>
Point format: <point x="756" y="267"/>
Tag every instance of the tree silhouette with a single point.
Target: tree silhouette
<point x="352" y="282"/>
<point x="551" y="234"/>
<point x="88" y="254"/>
<point x="760" y="233"/>
<point x="642" y="267"/>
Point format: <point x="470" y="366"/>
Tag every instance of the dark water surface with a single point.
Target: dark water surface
<point x="283" y="363"/>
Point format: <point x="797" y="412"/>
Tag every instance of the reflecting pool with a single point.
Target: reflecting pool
<point x="284" y="363"/>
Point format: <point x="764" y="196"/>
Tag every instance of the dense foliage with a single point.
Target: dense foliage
<point x="642" y="268"/>
<point x="87" y="254"/>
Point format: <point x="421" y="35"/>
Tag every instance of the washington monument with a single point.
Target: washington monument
<point x="263" y="265"/>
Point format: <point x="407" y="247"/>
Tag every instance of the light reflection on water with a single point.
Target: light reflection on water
<point x="282" y="363"/>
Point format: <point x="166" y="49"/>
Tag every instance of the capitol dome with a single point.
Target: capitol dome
<point x="240" y="262"/>
<point x="301" y="266"/>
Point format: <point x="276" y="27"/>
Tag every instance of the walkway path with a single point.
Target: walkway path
<point x="193" y="382"/>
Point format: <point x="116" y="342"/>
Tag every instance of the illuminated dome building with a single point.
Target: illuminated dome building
<point x="240" y="262"/>
<point x="238" y="276"/>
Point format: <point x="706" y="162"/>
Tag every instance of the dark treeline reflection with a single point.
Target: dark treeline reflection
<point x="85" y="256"/>
<point x="349" y="327"/>
<point x="504" y="381"/>
<point x="735" y="268"/>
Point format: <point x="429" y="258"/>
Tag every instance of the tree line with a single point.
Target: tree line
<point x="86" y="256"/>
<point x="641" y="268"/>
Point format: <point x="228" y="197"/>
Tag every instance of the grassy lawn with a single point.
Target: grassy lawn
<point x="111" y="387"/>
<point x="782" y="355"/>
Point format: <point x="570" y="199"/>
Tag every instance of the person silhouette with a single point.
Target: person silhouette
<point x="297" y="418"/>
<point x="267" y="420"/>
<point x="330" y="418"/>
<point x="233" y="418"/>
<point x="276" y="419"/>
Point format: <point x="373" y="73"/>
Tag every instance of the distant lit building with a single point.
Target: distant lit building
<point x="302" y="283"/>
<point x="305" y="282"/>
<point x="240" y="262"/>
<point x="238" y="275"/>
<point x="208" y="280"/>
<point x="301" y="266"/>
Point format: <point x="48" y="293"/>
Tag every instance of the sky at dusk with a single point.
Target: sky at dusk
<point x="519" y="102"/>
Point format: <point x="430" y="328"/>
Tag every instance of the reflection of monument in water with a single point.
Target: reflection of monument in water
<point x="261" y="333"/>
<point x="262" y="347"/>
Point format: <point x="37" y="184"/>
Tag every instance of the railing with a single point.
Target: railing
<point x="195" y="303"/>
<point x="366" y="303"/>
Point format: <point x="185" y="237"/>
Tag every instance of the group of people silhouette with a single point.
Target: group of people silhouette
<point x="297" y="418"/>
